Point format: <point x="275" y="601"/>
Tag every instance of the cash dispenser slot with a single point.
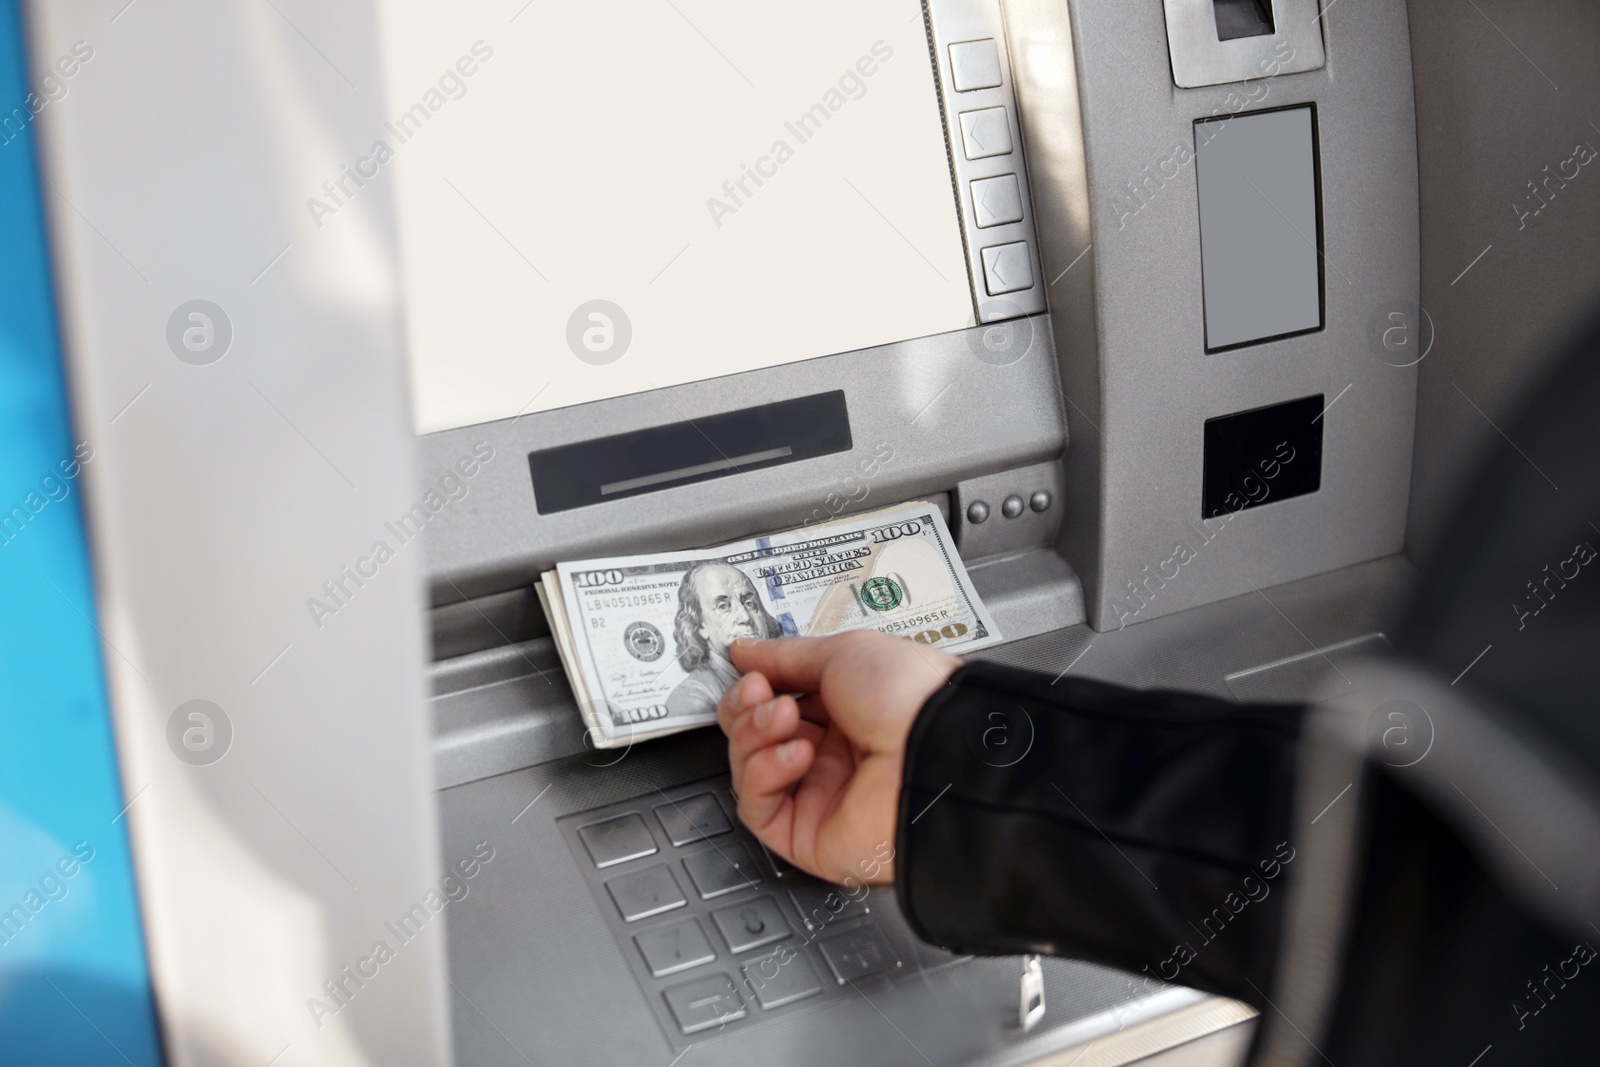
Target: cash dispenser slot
<point x="695" y="450"/>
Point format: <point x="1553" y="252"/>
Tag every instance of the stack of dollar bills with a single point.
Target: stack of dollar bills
<point x="644" y="639"/>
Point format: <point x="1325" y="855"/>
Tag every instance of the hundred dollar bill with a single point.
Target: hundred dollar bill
<point x="644" y="639"/>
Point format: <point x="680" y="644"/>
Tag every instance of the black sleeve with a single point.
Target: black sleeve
<point x="1142" y="830"/>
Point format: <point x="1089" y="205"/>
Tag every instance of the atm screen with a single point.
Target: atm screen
<point x="605" y="199"/>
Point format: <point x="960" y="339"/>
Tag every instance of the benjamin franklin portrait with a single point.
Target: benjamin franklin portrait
<point x="717" y="605"/>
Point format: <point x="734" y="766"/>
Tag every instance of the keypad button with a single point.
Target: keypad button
<point x="693" y="819"/>
<point x="985" y="132"/>
<point x="856" y="952"/>
<point x="617" y="840"/>
<point x="1007" y="268"/>
<point x="675" y="948"/>
<point x="704" y="1003"/>
<point x="997" y="201"/>
<point x="722" y="870"/>
<point x="751" y="924"/>
<point x="974" y="65"/>
<point x="781" y="867"/>
<point x="781" y="978"/>
<point x="645" y="893"/>
<point x="821" y="904"/>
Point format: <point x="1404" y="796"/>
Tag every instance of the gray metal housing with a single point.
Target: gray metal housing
<point x="222" y="497"/>
<point x="1139" y="391"/>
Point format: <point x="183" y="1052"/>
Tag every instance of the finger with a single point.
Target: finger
<point x="768" y="723"/>
<point x="764" y="801"/>
<point x="743" y="695"/>
<point x="792" y="664"/>
<point x="831" y="769"/>
<point x="812" y="709"/>
<point x="780" y="716"/>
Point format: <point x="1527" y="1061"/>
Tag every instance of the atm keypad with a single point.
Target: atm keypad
<point x="857" y="952"/>
<point x="751" y="924"/>
<point x="694" y="819"/>
<point x="821" y="904"/>
<point x="670" y="949"/>
<point x="719" y="932"/>
<point x="618" y="840"/>
<point x="645" y="893"/>
<point x="704" y="1003"/>
<point x="718" y="871"/>
<point x="782" y="977"/>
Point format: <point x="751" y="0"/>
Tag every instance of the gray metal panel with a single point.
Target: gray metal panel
<point x="1199" y="58"/>
<point x="1155" y="384"/>
<point x="1496" y="287"/>
<point x="1044" y="67"/>
<point x="948" y="407"/>
<point x="222" y="496"/>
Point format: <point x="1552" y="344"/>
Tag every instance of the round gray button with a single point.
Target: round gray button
<point x="599" y="332"/>
<point x="1040" y="501"/>
<point x="199" y="732"/>
<point x="1000" y="344"/>
<point x="1012" y="507"/>
<point x="977" y="512"/>
<point x="199" y="332"/>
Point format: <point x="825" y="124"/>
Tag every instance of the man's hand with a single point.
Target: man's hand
<point x="817" y="769"/>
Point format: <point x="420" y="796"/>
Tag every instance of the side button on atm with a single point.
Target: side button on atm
<point x="975" y="65"/>
<point x="1007" y="268"/>
<point x="996" y="201"/>
<point x="985" y="132"/>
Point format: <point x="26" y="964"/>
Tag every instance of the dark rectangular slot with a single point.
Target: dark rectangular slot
<point x="682" y="453"/>
<point x="1243" y="18"/>
<point x="1262" y="456"/>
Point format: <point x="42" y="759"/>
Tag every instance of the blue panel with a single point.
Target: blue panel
<point x="74" y="984"/>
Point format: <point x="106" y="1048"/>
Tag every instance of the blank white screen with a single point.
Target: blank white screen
<point x="577" y="163"/>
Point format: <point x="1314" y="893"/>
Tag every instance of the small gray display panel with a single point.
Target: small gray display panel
<point x="1260" y="226"/>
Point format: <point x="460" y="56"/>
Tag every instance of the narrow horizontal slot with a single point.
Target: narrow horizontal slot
<point x="660" y="458"/>
<point x="683" y="473"/>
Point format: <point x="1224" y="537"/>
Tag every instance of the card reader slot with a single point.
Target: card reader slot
<point x="660" y="458"/>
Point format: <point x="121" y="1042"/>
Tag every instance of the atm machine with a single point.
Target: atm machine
<point x="1100" y="288"/>
<point x="1130" y="291"/>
